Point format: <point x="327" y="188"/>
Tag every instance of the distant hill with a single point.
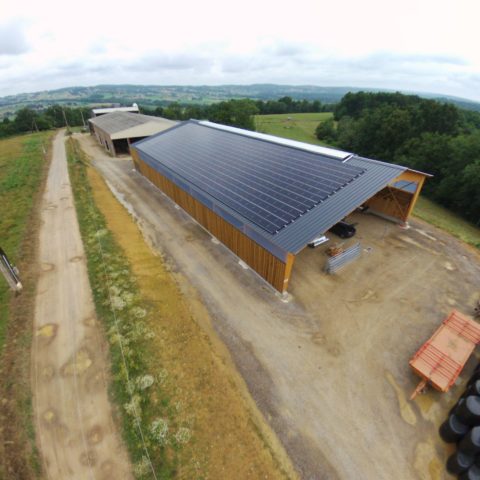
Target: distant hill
<point x="159" y="95"/>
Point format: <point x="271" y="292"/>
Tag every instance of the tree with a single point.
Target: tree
<point x="316" y="106"/>
<point x="430" y="152"/>
<point x="439" y="118"/>
<point x="24" y="120"/>
<point x="347" y="134"/>
<point x="43" y="123"/>
<point x="237" y="113"/>
<point x="467" y="198"/>
<point x="326" y="131"/>
<point x="174" y="111"/>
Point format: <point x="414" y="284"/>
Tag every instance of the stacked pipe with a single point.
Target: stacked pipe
<point x="462" y="427"/>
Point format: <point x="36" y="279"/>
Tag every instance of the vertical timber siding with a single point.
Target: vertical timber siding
<point x="392" y="202"/>
<point x="413" y="177"/>
<point x="269" y="267"/>
<point x="397" y="203"/>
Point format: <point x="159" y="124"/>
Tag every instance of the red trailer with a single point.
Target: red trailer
<point x="440" y="359"/>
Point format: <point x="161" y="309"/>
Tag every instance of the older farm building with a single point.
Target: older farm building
<point x="116" y="130"/>
<point x="97" y="112"/>
<point x="264" y="197"/>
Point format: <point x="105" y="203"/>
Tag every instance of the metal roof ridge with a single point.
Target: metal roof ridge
<point x="115" y="122"/>
<point x="378" y="162"/>
<point x="386" y="164"/>
<point x="286" y="142"/>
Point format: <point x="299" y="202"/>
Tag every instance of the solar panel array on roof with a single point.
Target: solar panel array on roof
<point x="270" y="185"/>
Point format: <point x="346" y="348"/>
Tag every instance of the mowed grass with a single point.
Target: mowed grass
<point x="296" y="126"/>
<point x="448" y="221"/>
<point x="21" y="173"/>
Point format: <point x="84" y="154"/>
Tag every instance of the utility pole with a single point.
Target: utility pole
<point x="65" y="118"/>
<point x="83" y="120"/>
<point x="34" y="124"/>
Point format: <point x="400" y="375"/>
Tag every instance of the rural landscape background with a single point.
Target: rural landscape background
<point x="143" y="342"/>
<point x="438" y="135"/>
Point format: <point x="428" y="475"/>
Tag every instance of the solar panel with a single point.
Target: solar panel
<point x="268" y="184"/>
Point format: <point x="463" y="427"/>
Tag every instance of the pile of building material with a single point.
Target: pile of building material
<point x="335" y="249"/>
<point x="341" y="257"/>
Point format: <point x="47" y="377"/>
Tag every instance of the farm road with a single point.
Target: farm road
<point x="76" y="434"/>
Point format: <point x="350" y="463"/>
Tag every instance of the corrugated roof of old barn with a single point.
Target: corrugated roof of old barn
<point x="279" y="192"/>
<point x="115" y="122"/>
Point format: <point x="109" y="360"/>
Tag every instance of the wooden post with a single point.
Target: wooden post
<point x="415" y="197"/>
<point x="288" y="270"/>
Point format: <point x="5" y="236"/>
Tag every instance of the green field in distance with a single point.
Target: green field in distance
<point x="296" y="126"/>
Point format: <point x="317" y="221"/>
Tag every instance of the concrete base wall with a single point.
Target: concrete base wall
<point x="105" y="140"/>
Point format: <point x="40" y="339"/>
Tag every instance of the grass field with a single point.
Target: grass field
<point x="23" y="169"/>
<point x="21" y="173"/>
<point x="448" y="221"/>
<point x="296" y="126"/>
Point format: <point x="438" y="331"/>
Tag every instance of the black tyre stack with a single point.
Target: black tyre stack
<point x="463" y="428"/>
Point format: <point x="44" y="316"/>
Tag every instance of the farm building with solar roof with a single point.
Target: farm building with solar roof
<point x="264" y="197"/>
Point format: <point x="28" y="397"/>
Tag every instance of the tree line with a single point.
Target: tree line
<point x="426" y="135"/>
<point x="29" y="120"/>
<point x="237" y="112"/>
<point x="422" y="134"/>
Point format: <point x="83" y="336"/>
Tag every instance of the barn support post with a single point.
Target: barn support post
<point x="415" y="196"/>
<point x="288" y="271"/>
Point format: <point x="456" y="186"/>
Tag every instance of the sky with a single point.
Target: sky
<point x="422" y="45"/>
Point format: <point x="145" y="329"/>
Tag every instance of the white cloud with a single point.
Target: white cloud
<point x="12" y="38"/>
<point x="427" y="45"/>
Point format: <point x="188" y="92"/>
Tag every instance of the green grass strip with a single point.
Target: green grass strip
<point x="21" y="173"/>
<point x="115" y="289"/>
<point x="446" y="220"/>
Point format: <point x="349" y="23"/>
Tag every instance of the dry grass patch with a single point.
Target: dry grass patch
<point x="195" y="411"/>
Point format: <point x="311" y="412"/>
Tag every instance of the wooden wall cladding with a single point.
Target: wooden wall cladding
<point x="269" y="267"/>
<point x="392" y="202"/>
<point x="398" y="203"/>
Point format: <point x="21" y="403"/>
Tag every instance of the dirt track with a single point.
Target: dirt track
<point x="75" y="430"/>
<point x="329" y="370"/>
